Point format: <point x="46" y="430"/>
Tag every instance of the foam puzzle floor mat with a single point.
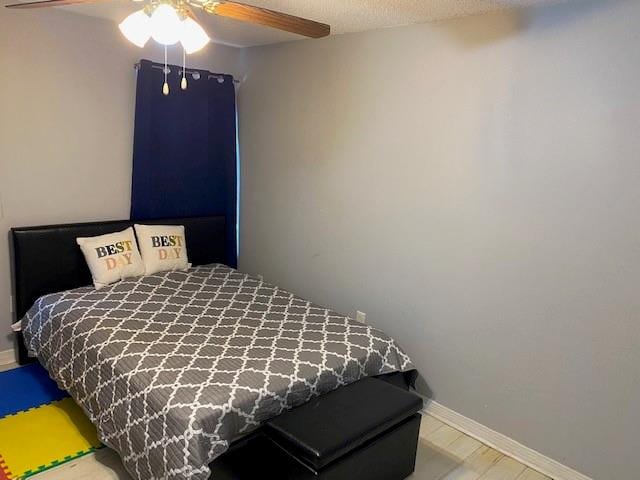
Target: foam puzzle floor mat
<point x="40" y="425"/>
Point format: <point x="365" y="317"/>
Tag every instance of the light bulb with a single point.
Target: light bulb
<point x="193" y="36"/>
<point x="136" y="28"/>
<point x="165" y="25"/>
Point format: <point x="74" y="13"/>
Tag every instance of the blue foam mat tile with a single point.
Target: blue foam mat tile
<point x="27" y="387"/>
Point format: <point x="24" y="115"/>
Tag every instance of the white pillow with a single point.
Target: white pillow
<point x="112" y="257"/>
<point x="163" y="247"/>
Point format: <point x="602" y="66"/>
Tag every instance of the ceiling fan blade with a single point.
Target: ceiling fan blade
<point x="269" y="18"/>
<point x="49" y="3"/>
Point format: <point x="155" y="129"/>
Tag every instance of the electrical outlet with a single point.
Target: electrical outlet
<point x="361" y="317"/>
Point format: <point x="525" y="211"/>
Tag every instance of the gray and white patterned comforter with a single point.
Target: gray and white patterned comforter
<point x="172" y="367"/>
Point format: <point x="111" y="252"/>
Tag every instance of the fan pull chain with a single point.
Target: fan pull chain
<point x="165" y="87"/>
<point x="183" y="82"/>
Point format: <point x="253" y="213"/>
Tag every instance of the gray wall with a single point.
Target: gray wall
<point x="67" y="94"/>
<point x="473" y="186"/>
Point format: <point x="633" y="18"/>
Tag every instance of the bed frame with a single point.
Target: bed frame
<point x="46" y="259"/>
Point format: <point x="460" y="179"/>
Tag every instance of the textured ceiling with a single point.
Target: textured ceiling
<point x="343" y="15"/>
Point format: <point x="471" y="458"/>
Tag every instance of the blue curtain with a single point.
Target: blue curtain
<point x="184" y="149"/>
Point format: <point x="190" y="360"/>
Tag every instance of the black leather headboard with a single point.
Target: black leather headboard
<point x="46" y="259"/>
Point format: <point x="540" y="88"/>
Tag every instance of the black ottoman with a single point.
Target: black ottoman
<point x="367" y="431"/>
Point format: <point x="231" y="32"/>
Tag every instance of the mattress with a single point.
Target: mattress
<point x="172" y="367"/>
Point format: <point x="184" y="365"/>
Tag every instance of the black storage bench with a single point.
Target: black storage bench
<point x="365" y="431"/>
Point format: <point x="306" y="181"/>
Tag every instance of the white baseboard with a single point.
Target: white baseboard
<point x="502" y="443"/>
<point x="7" y="357"/>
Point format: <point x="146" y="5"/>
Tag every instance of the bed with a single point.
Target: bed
<point x="174" y="367"/>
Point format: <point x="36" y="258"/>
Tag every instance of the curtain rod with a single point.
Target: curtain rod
<point x="136" y="67"/>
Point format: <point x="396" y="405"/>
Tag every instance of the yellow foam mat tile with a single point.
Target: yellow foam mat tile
<point x="45" y="436"/>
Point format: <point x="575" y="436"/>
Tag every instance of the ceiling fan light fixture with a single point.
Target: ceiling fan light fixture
<point x="166" y="25"/>
<point x="136" y="28"/>
<point x="193" y="37"/>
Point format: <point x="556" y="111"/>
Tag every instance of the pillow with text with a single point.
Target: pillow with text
<point x="112" y="257"/>
<point x="163" y="247"/>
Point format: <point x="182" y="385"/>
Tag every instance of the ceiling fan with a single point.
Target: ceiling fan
<point x="171" y="21"/>
<point x="236" y="10"/>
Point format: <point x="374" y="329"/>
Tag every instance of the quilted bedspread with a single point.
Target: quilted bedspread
<point x="172" y="367"/>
